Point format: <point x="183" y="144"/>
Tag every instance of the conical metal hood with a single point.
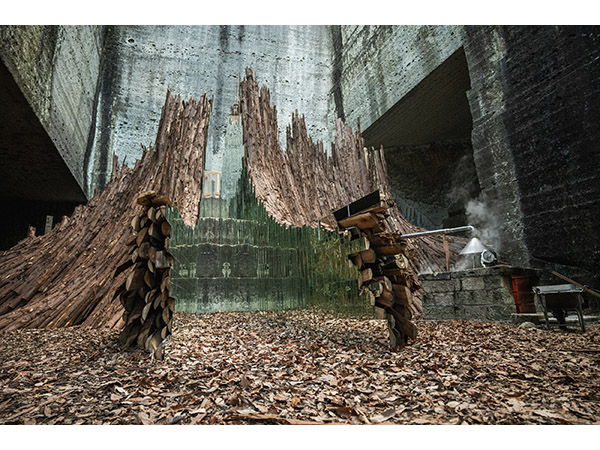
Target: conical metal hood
<point x="474" y="246"/>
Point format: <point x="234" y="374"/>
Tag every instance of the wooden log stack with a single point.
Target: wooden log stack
<point x="148" y="314"/>
<point x="385" y="274"/>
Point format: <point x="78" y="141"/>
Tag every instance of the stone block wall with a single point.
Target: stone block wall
<point x="535" y="102"/>
<point x="481" y="294"/>
<point x="533" y="97"/>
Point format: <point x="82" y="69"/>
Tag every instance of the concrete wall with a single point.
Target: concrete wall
<point x="486" y="54"/>
<point x="532" y="97"/>
<point x="378" y="65"/>
<point x="431" y="191"/>
<point x="553" y="78"/>
<point x="408" y="85"/>
<point x="57" y="70"/>
<point x="143" y="61"/>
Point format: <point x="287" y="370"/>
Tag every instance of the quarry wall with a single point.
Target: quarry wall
<point x="399" y="81"/>
<point x="57" y="70"/>
<point x="532" y="95"/>
<point x="520" y="102"/>
<point x="377" y="65"/>
<point x="143" y="61"/>
<point x="408" y="85"/>
<point x="540" y="135"/>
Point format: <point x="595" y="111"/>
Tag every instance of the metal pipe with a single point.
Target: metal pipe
<point x="444" y="230"/>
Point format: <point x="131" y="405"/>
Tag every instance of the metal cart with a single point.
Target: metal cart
<point x="560" y="299"/>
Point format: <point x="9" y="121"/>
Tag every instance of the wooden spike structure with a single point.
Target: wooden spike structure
<point x="303" y="185"/>
<point x="385" y="278"/>
<point x="70" y="275"/>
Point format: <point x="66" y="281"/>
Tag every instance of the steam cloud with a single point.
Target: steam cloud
<point x="482" y="215"/>
<point x="464" y="263"/>
<point x="464" y="186"/>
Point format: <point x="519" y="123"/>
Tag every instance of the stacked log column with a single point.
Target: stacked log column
<point x="145" y="296"/>
<point x="382" y="259"/>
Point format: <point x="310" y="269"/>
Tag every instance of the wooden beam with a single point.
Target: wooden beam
<point x="371" y="202"/>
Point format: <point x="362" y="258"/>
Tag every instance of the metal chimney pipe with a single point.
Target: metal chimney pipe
<point x="443" y="230"/>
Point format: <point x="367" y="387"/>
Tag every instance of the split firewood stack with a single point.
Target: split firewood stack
<point x="383" y="261"/>
<point x="145" y="296"/>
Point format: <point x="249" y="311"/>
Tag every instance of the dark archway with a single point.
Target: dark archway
<point x="34" y="180"/>
<point x="427" y="140"/>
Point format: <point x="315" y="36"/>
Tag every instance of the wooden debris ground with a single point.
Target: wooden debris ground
<point x="302" y="367"/>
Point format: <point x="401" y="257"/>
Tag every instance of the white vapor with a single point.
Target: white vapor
<point x="483" y="216"/>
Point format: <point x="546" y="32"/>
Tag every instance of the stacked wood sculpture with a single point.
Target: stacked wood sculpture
<point x="148" y="315"/>
<point x="303" y="184"/>
<point x="386" y="278"/>
<point x="69" y="276"/>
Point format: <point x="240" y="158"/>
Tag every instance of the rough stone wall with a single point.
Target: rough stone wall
<point x="534" y="102"/>
<point x="486" y="54"/>
<point x="56" y="68"/>
<point x="378" y="65"/>
<point x="431" y="191"/>
<point x="381" y="65"/>
<point x="536" y="106"/>
<point x="481" y="294"/>
<point x="408" y="86"/>
<point x="142" y="61"/>
<point x="554" y="112"/>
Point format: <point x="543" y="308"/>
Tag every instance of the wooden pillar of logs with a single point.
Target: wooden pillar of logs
<point x="382" y="259"/>
<point x="145" y="296"/>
